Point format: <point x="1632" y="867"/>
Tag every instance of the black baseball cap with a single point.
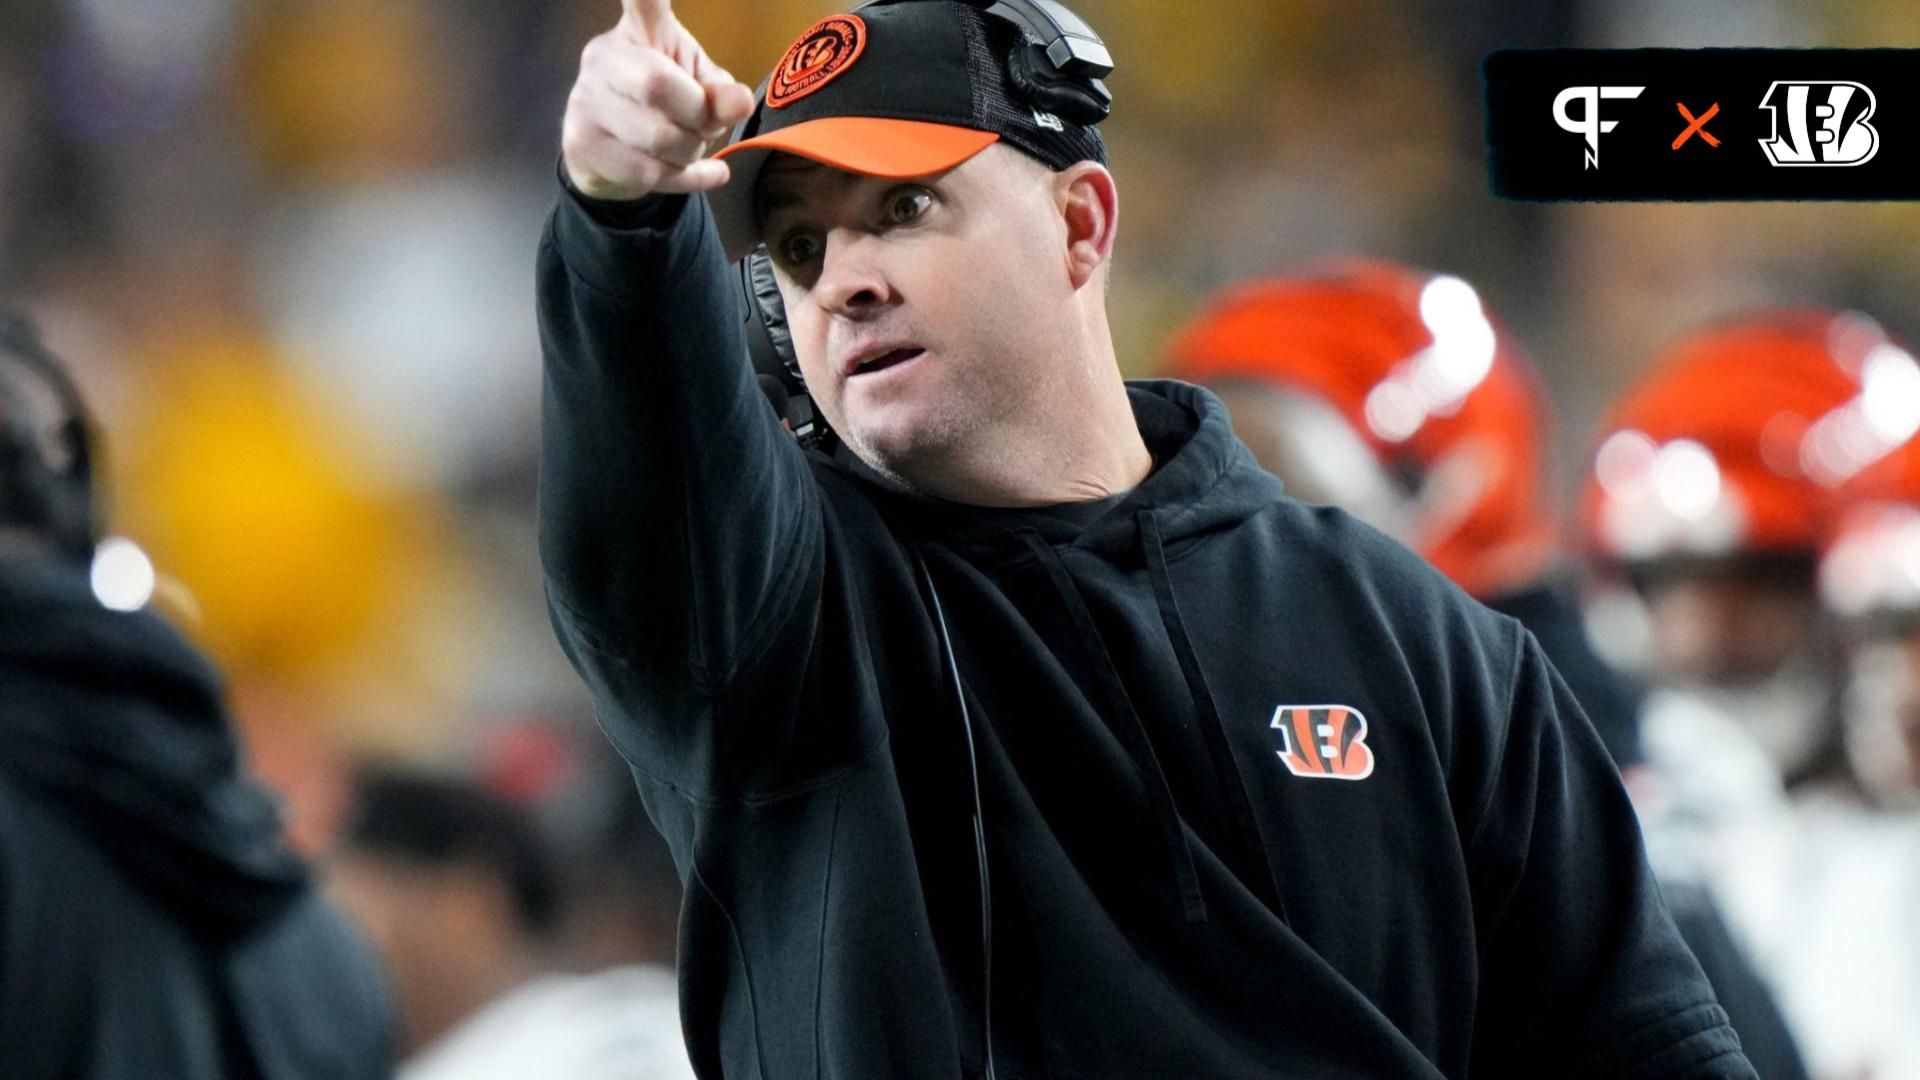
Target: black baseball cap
<point x="900" y="89"/>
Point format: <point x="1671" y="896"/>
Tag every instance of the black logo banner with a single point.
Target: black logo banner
<point x="1686" y="124"/>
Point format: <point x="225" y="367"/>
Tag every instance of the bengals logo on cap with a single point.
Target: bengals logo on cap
<point x="828" y="48"/>
<point x="1326" y="741"/>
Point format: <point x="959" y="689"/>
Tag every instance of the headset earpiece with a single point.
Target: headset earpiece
<point x="1077" y="100"/>
<point x="769" y="311"/>
<point x="770" y="348"/>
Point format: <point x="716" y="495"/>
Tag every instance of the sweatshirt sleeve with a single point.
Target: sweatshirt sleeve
<point x="680" y="526"/>
<point x="1582" y="973"/>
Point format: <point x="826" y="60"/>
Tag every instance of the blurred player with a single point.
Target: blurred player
<point x="1714" y="484"/>
<point x="153" y="919"/>
<point x="461" y="893"/>
<point x="1834" y="895"/>
<point x="1394" y="394"/>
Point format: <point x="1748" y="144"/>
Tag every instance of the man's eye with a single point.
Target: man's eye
<point x="906" y="204"/>
<point x="799" y="249"/>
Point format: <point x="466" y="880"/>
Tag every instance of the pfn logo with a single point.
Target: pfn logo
<point x="1324" y="741"/>
<point x="1589" y="124"/>
<point x="1826" y="124"/>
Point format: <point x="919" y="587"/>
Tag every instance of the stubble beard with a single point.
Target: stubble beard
<point x="915" y="457"/>
<point x="952" y="446"/>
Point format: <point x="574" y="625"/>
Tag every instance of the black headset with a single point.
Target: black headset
<point x="1058" y="68"/>
<point x="52" y="497"/>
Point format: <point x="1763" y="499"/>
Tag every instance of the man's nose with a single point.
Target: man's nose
<point x="851" y="283"/>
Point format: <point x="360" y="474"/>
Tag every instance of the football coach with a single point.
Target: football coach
<point x="1025" y="728"/>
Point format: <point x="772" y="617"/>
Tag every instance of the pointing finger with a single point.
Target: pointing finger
<point x="656" y="82"/>
<point x="648" y="14"/>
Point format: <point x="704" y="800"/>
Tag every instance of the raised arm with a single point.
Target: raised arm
<point x="676" y="516"/>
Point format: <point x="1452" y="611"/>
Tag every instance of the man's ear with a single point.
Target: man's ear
<point x="1090" y="205"/>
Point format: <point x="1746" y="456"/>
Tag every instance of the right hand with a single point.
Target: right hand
<point x="646" y="107"/>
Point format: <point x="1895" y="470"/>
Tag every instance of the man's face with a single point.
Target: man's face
<point x="1729" y="630"/>
<point x="929" y="315"/>
<point x="430" y="926"/>
<point x="1749" y="641"/>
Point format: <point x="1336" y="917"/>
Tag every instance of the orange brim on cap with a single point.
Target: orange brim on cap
<point x="868" y="145"/>
<point x="873" y="145"/>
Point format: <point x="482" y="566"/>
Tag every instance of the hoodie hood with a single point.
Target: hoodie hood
<point x="1204" y="477"/>
<point x="113" y="718"/>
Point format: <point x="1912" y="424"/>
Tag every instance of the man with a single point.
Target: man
<point x="1713" y="481"/>
<point x="153" y="920"/>
<point x="1034" y="733"/>
<point x="1715" y="484"/>
<point x="461" y="893"/>
<point x="1394" y="394"/>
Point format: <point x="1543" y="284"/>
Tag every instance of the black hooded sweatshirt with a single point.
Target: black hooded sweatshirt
<point x="153" y="922"/>
<point x="1213" y="785"/>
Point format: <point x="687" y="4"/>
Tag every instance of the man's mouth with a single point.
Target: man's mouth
<point x="885" y="360"/>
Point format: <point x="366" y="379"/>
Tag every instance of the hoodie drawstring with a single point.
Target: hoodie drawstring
<point x="1132" y="732"/>
<point x="1226" y="767"/>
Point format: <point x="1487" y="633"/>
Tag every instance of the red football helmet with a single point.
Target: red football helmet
<point x="1398" y="388"/>
<point x="1742" y="438"/>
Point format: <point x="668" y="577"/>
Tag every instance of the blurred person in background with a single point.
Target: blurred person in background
<point x="1395" y="395"/>
<point x="1837" y="896"/>
<point x="461" y="892"/>
<point x="153" y="919"/>
<point x="1714" y="485"/>
<point x="615" y="874"/>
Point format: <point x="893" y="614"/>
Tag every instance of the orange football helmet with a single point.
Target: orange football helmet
<point x="1743" y="437"/>
<point x="1424" y="378"/>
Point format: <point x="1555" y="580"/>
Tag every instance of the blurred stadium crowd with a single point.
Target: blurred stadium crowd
<point x="286" y="247"/>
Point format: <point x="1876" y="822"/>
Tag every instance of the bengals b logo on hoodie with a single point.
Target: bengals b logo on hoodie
<point x="1328" y="742"/>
